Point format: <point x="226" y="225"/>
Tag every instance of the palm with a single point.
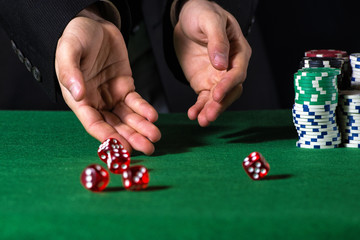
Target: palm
<point x="105" y="67"/>
<point x="94" y="54"/>
<point x="195" y="62"/>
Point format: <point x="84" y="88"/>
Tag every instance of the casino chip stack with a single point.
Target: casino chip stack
<point x="349" y="118"/>
<point x="314" y="111"/>
<point x="355" y="65"/>
<point x="331" y="59"/>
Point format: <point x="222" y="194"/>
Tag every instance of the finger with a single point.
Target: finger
<point x="194" y="111"/>
<point x="94" y="124"/>
<point x="137" y="122"/>
<point x="213" y="109"/>
<point x="67" y="66"/>
<point x="225" y="86"/>
<point x="200" y="105"/>
<point x="237" y="70"/>
<point x="141" y="107"/>
<point x="202" y="119"/>
<point x="136" y="140"/>
<point x="218" y="44"/>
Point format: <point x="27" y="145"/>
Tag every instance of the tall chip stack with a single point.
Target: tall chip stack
<point x="355" y="75"/>
<point x="348" y="82"/>
<point x="349" y="118"/>
<point x="348" y="111"/>
<point x="314" y="110"/>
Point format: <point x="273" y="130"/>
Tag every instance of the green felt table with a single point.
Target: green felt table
<point x="198" y="188"/>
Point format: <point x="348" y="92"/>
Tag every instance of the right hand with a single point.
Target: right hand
<point x="214" y="55"/>
<point x="96" y="81"/>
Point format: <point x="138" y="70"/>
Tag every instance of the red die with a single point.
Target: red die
<point x="135" y="178"/>
<point x="114" y="155"/>
<point x="95" y="178"/>
<point x="256" y="166"/>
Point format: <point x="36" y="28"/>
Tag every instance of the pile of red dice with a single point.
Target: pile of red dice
<point x="117" y="159"/>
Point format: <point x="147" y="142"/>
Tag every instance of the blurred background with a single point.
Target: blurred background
<point x="279" y="37"/>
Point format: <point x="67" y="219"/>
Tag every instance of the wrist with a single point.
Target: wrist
<point x="176" y="8"/>
<point x="102" y="10"/>
<point x="175" y="11"/>
<point x="91" y="12"/>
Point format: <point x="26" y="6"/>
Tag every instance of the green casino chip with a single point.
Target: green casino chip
<point x="314" y="78"/>
<point x="314" y="91"/>
<point x="318" y="72"/>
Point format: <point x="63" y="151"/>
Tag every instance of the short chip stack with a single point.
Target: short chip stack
<point x="349" y="118"/>
<point x="355" y="65"/>
<point x="332" y="59"/>
<point x="314" y="111"/>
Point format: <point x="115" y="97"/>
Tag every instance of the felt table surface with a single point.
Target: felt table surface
<point x="198" y="188"/>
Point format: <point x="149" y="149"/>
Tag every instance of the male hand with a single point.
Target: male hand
<point x="96" y="81"/>
<point x="214" y="56"/>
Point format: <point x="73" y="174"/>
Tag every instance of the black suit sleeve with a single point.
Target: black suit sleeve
<point x="242" y="10"/>
<point x="35" y="27"/>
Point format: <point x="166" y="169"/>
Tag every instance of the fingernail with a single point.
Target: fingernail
<point x="75" y="90"/>
<point x="220" y="60"/>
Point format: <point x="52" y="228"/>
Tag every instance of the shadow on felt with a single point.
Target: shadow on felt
<point x="148" y="189"/>
<point x="180" y="138"/>
<point x="277" y="177"/>
<point x="262" y="134"/>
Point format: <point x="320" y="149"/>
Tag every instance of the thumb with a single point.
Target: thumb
<point x="218" y="43"/>
<point x="67" y="66"/>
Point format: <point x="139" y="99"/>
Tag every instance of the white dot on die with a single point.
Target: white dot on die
<point x="246" y="159"/>
<point x="103" y="173"/>
<point x="257" y="170"/>
<point x="127" y="183"/>
<point x="103" y="156"/>
<point x="256" y="176"/>
<point x="263" y="170"/>
<point x="123" y="166"/>
<point x="258" y="164"/>
<point x="88" y="178"/>
<point x="89" y="184"/>
<point x="250" y="169"/>
<point x="88" y="171"/>
<point x="143" y="170"/>
<point x="136" y="179"/>
<point x="125" y="175"/>
<point x="253" y="154"/>
<point x="115" y="165"/>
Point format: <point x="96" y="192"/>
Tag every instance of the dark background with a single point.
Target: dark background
<point x="283" y="31"/>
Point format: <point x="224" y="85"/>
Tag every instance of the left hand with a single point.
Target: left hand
<point x="214" y="56"/>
